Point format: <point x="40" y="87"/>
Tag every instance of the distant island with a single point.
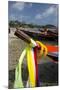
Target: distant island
<point x="31" y="25"/>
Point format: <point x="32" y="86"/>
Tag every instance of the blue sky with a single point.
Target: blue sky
<point x="36" y="13"/>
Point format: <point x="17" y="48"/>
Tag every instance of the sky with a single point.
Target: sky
<point x="35" y="13"/>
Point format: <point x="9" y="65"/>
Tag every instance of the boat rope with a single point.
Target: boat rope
<point x="31" y="52"/>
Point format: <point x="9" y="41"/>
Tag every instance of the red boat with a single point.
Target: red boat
<point x="53" y="52"/>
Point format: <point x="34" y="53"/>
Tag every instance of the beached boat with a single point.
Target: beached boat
<point x="42" y="35"/>
<point x="52" y="49"/>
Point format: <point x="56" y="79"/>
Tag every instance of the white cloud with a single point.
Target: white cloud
<point x="20" y="17"/>
<point x="23" y="17"/>
<point x="19" y="5"/>
<point x="38" y="16"/>
<point x="51" y="10"/>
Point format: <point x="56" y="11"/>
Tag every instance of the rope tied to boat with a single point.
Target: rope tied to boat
<point x="31" y="52"/>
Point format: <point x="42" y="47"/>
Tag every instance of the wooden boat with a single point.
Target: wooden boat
<point x="53" y="56"/>
<point x="52" y="50"/>
<point x="51" y="36"/>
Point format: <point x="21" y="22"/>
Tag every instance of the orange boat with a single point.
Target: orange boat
<point x="53" y="52"/>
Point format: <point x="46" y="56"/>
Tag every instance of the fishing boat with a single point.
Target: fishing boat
<point x="52" y="49"/>
<point x="42" y="35"/>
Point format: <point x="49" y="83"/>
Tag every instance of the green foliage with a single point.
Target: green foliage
<point x="31" y="25"/>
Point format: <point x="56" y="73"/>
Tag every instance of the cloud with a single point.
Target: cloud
<point x="49" y="11"/>
<point x="24" y="18"/>
<point x="19" y="5"/>
<point x="19" y="18"/>
<point x="38" y="16"/>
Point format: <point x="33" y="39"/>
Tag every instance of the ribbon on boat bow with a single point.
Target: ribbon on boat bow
<point x="32" y="55"/>
<point x="31" y="52"/>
